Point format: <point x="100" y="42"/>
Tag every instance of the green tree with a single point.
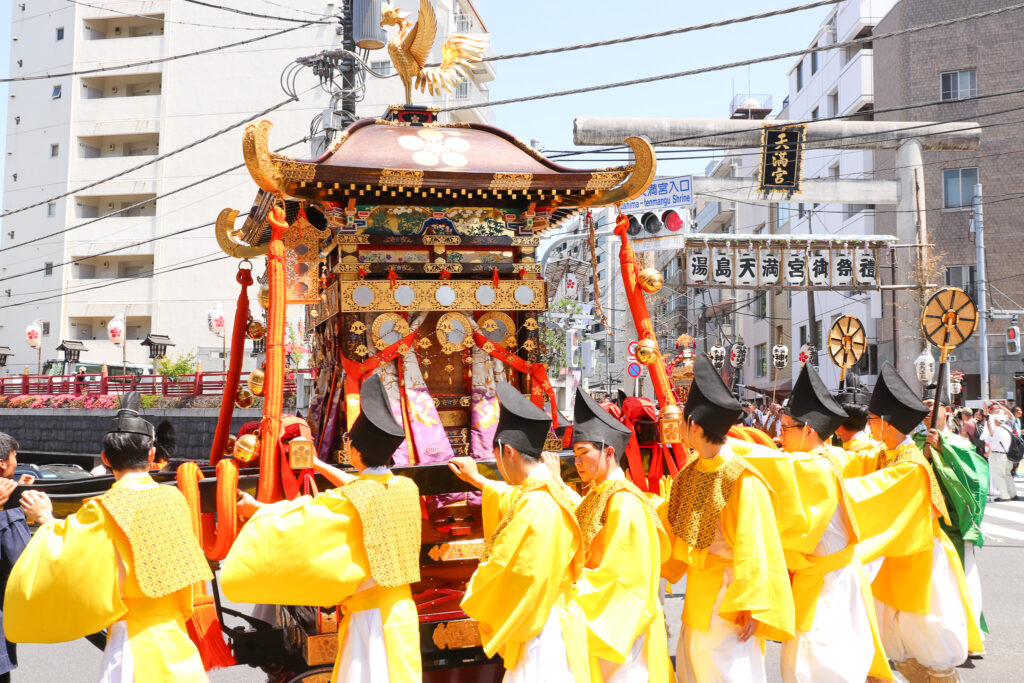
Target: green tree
<point x="181" y="364"/>
<point x="552" y="331"/>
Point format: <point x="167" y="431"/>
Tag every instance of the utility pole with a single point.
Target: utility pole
<point x="979" y="250"/>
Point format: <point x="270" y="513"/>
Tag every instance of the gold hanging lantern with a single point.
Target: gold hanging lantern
<point x="229" y="445"/>
<point x="647" y="351"/>
<point x="670" y="424"/>
<point x="255" y="330"/>
<point x="247" y="448"/>
<point x="264" y="297"/>
<point x="301" y="453"/>
<point x="651" y="280"/>
<point x="245" y="398"/>
<point x="255" y="382"/>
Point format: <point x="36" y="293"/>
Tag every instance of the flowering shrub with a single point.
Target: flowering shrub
<point x="88" y="401"/>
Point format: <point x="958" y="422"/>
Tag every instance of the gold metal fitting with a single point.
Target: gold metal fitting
<point x="245" y="399"/>
<point x="670" y="424"/>
<point x="255" y="330"/>
<point x="264" y="297"/>
<point x="301" y="453"/>
<point x="651" y="280"/>
<point x="247" y="448"/>
<point x="255" y="382"/>
<point x="647" y="351"/>
<point x="229" y="446"/>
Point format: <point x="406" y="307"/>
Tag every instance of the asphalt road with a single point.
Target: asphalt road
<point x="1001" y="564"/>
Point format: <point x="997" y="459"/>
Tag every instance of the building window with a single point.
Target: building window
<point x="60" y="33"/>
<point x="814" y="114"/>
<point x="761" y="305"/>
<point x="962" y="277"/>
<point x="800" y="76"/>
<point x="51" y="209"/>
<point x="803" y="335"/>
<point x="46" y="328"/>
<point x="761" y="360"/>
<point x="958" y="85"/>
<point x="382" y="67"/>
<point x="48" y="268"/>
<point x="801" y="210"/>
<point x="833" y="103"/>
<point x="461" y="91"/>
<point x="814" y="60"/>
<point x="55" y="93"/>
<point x="54" y="150"/>
<point x="958" y="187"/>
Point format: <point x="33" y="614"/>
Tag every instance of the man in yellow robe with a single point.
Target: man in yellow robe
<point x="126" y="561"/>
<point x="837" y="633"/>
<point x="724" y="538"/>
<point x="356" y="546"/>
<point x="521" y="594"/>
<point x="624" y="546"/>
<point x="923" y="604"/>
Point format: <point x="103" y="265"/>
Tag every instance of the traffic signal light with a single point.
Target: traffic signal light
<point x="1012" y="340"/>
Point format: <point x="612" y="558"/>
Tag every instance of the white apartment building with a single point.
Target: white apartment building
<point x="825" y="84"/>
<point x="67" y="132"/>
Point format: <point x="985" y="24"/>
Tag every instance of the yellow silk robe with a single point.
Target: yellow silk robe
<point x="898" y="521"/>
<point x="534" y="561"/>
<point x="859" y="455"/>
<point x="310" y="551"/>
<point x="77" y="576"/>
<point x="761" y="582"/>
<point x="619" y="591"/>
<point x="807" y="493"/>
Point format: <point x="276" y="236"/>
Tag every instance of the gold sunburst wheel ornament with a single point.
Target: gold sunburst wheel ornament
<point x="846" y="343"/>
<point x="949" y="319"/>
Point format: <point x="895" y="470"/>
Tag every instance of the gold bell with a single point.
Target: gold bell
<point x="301" y="453"/>
<point x="245" y="398"/>
<point x="647" y="351"/>
<point x="264" y="297"/>
<point x="247" y="448"/>
<point x="255" y="382"/>
<point x="229" y="446"/>
<point x="255" y="330"/>
<point x="670" y="424"/>
<point x="651" y="280"/>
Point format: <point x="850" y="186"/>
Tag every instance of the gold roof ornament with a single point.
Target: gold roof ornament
<point x="410" y="50"/>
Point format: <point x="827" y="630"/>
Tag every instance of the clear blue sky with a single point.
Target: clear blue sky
<point x="522" y="25"/>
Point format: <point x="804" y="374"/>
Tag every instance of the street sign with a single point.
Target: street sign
<point x="634" y="369"/>
<point x="631" y="349"/>
<point x="663" y="193"/>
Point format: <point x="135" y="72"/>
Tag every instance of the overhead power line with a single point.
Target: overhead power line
<point x="252" y="14"/>
<point x="154" y="160"/>
<point x="160" y="60"/>
<point x="746" y="62"/>
<point x="662" y="34"/>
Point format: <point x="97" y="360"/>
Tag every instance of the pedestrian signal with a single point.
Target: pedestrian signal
<point x="1012" y="340"/>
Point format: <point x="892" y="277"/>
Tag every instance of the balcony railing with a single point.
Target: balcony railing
<point x="196" y="384"/>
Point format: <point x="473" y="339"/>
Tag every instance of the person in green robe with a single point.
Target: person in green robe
<point x="963" y="477"/>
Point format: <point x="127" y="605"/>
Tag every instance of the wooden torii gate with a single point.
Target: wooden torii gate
<point x="907" y="138"/>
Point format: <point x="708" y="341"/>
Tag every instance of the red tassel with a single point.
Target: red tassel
<point x="362" y="272"/>
<point x="392" y="276"/>
<point x="494" y="277"/>
<point x="522" y="273"/>
<point x="204" y="630"/>
<point x="446" y="274"/>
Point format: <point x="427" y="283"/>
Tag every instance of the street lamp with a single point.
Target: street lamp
<point x="72" y="352"/>
<point x="5" y="352"/>
<point x="157" y="344"/>
<point x="925" y="366"/>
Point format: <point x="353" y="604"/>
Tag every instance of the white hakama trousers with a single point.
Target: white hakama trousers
<point x="544" y="657"/>
<point x="973" y="579"/>
<point x="717" y="655"/>
<point x="937" y="640"/>
<point x="117" y="666"/>
<point x="839" y="648"/>
<point x="633" y="670"/>
<point x="364" y="657"/>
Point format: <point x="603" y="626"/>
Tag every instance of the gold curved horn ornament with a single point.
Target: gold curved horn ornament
<point x="645" y="163"/>
<point x="227" y="237"/>
<point x="258" y="159"/>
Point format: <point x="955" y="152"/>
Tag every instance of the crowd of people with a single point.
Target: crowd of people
<point x="851" y="542"/>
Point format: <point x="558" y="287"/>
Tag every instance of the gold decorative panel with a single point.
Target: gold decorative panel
<point x="456" y="635"/>
<point x="457" y="550"/>
<point x="454" y="332"/>
<point x="442" y="295"/>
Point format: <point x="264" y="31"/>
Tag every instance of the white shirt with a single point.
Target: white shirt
<point x="999" y="440"/>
